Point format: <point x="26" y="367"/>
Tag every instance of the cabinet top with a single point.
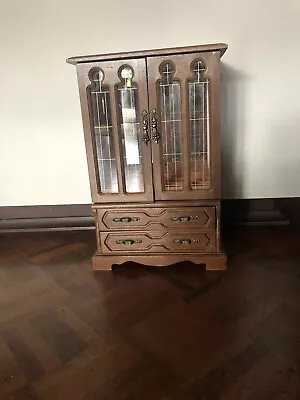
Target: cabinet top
<point x="221" y="47"/>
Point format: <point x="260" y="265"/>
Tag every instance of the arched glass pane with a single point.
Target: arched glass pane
<point x="101" y="126"/>
<point x="127" y="100"/>
<point x="199" y="119"/>
<point x="171" y="130"/>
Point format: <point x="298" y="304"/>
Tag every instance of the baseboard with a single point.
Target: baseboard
<point x="46" y="218"/>
<point x="79" y="216"/>
<point x="254" y="212"/>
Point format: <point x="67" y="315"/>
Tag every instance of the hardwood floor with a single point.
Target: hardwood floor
<point x="140" y="333"/>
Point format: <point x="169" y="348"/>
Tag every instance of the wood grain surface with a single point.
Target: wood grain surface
<point x="135" y="333"/>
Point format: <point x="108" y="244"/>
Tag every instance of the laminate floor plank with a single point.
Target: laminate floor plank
<point x="140" y="333"/>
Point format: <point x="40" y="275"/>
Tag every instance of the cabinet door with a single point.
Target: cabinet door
<point x="184" y="107"/>
<point x="114" y="104"/>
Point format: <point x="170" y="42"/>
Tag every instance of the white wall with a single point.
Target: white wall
<point x="42" y="155"/>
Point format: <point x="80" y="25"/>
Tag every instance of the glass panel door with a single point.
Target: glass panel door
<point x="183" y="97"/>
<point x="116" y="124"/>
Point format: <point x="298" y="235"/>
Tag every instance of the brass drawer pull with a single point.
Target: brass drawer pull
<point x="128" y="241"/>
<point x="126" y="219"/>
<point x="145" y="137"/>
<point x="186" y="219"/>
<point x="185" y="241"/>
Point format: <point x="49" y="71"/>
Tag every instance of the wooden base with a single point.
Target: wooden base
<point x="213" y="262"/>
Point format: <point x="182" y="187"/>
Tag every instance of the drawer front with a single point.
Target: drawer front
<point x="157" y="218"/>
<point x="159" y="242"/>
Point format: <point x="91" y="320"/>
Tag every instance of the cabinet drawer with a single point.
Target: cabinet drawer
<point x="160" y="242"/>
<point x="156" y="218"/>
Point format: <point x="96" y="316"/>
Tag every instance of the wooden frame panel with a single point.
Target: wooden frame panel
<point x="125" y="242"/>
<point x="150" y="218"/>
<point x="213" y="262"/>
<point x="220" y="47"/>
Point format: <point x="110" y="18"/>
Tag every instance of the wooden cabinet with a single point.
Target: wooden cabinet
<point x="152" y="132"/>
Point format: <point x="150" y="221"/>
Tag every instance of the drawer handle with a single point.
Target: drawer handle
<point x="185" y="241"/>
<point x="186" y="218"/>
<point x="128" y="241"/>
<point x="126" y="219"/>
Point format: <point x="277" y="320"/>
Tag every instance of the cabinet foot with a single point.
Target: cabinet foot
<point x="101" y="263"/>
<point x="213" y="262"/>
<point x="216" y="263"/>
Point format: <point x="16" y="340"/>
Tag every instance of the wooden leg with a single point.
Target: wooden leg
<point x="217" y="263"/>
<point x="100" y="263"/>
